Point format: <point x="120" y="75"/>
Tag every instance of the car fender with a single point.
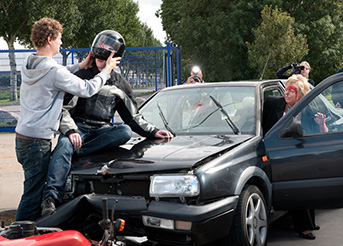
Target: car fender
<point x="256" y="176"/>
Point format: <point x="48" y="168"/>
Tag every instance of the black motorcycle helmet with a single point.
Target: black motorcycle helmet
<point x="106" y="42"/>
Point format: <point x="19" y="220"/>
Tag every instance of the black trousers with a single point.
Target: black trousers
<point x="303" y="219"/>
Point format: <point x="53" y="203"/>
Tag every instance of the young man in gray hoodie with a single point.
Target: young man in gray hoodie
<point x="44" y="83"/>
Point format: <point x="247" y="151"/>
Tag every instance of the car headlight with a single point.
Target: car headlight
<point x="174" y="185"/>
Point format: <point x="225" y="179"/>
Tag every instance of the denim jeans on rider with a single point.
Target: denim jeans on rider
<point x="34" y="156"/>
<point x="92" y="140"/>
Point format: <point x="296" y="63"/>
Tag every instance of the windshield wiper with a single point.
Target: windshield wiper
<point x="165" y="121"/>
<point x="227" y="117"/>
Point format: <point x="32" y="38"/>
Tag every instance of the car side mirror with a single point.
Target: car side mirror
<point x="294" y="131"/>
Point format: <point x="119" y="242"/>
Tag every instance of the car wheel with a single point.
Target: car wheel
<point x="250" y="225"/>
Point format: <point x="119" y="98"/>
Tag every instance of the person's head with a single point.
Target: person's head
<point x="307" y="68"/>
<point x="106" y="42"/>
<point x="196" y="71"/>
<point x="196" y="76"/>
<point x="47" y="31"/>
<point x="297" y="87"/>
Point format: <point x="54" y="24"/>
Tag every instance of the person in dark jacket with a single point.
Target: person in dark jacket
<point x="304" y="72"/>
<point x="86" y="122"/>
<point x="273" y="109"/>
<point x="337" y="92"/>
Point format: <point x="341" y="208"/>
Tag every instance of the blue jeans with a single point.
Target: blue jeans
<point x="34" y="156"/>
<point x="92" y="140"/>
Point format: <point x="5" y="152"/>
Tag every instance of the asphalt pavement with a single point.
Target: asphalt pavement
<point x="281" y="231"/>
<point x="330" y="233"/>
<point x="11" y="173"/>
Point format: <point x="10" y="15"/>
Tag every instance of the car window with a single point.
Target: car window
<point x="195" y="111"/>
<point x="272" y="92"/>
<point x="326" y="105"/>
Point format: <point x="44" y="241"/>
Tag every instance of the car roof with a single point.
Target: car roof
<point x="243" y="83"/>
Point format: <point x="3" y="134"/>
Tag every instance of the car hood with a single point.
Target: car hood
<point x="149" y="155"/>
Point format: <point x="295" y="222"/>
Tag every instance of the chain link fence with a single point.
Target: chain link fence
<point x="147" y="69"/>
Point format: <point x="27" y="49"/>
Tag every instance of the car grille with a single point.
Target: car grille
<point x="126" y="185"/>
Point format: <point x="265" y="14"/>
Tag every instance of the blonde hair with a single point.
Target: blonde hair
<point x="300" y="82"/>
<point x="303" y="63"/>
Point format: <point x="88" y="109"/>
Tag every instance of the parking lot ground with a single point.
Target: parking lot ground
<point x="330" y="233"/>
<point x="11" y="173"/>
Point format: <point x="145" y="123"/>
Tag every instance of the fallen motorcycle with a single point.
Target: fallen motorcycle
<point x="28" y="233"/>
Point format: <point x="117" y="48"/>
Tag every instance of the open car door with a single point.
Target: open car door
<point x="307" y="161"/>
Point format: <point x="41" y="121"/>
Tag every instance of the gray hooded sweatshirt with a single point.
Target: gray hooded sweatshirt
<point x="44" y="83"/>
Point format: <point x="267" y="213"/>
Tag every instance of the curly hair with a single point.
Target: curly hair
<point x="44" y="28"/>
<point x="300" y="82"/>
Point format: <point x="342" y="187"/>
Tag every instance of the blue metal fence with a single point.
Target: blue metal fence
<point x="147" y="69"/>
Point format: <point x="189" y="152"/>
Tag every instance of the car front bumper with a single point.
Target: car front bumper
<point x="207" y="222"/>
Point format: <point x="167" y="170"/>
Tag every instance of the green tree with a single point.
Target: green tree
<point x="275" y="43"/>
<point x="82" y="20"/>
<point x="10" y="29"/>
<point x="321" y="22"/>
<point x="118" y="15"/>
<point x="17" y="17"/>
<point x="212" y="34"/>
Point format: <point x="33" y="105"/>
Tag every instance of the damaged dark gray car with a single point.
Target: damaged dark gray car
<point x="220" y="177"/>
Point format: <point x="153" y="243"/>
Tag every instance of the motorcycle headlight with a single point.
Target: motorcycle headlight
<point x="174" y="185"/>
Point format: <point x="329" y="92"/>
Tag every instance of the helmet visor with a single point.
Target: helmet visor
<point x="108" y="43"/>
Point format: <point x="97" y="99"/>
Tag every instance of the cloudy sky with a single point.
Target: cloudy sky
<point x="147" y="9"/>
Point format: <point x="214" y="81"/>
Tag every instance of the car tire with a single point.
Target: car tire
<point x="250" y="225"/>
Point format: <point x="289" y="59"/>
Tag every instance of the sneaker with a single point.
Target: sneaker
<point x="48" y="206"/>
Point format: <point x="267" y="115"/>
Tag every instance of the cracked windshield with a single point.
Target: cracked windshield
<point x="219" y="110"/>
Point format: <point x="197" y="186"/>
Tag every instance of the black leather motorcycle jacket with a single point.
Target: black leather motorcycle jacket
<point x="98" y="110"/>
